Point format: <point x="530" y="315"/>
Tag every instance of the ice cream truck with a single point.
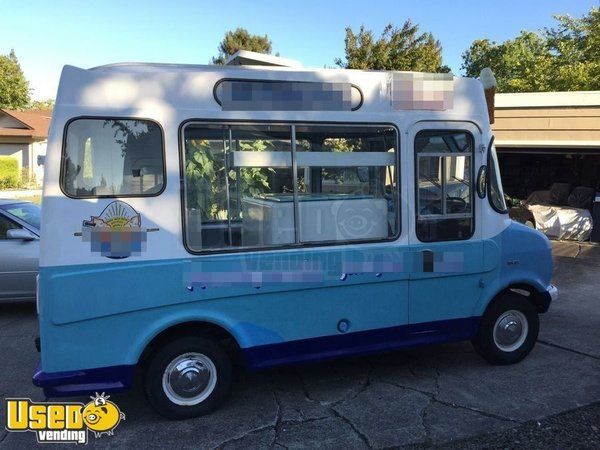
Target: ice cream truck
<point x="266" y="214"/>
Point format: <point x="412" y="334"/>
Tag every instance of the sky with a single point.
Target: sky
<point x="48" y="34"/>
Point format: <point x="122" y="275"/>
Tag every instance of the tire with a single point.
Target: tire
<point x="510" y="344"/>
<point x="199" y="381"/>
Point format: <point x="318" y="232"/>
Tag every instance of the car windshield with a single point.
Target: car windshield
<point x="27" y="212"/>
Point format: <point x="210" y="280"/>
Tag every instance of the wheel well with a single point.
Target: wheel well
<point x="193" y="328"/>
<point x="526" y="290"/>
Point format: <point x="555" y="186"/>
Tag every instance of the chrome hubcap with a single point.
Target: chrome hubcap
<point x="510" y="330"/>
<point x="189" y="379"/>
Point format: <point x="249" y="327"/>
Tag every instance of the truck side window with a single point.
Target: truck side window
<point x="444" y="197"/>
<point x="113" y="158"/>
<point x="347" y="182"/>
<point x="233" y="173"/>
<point x="255" y="186"/>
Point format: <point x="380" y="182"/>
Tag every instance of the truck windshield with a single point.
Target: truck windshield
<point x="496" y="194"/>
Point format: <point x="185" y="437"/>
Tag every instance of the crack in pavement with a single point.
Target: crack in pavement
<point x="362" y="388"/>
<point x="350" y="395"/>
<point x="282" y="424"/>
<point x="239" y="438"/>
<point x="453" y="405"/>
<point x="577" y="352"/>
<point x="277" y="418"/>
<point x="423" y="416"/>
<point x="361" y="436"/>
<point x="304" y="388"/>
<point x="3" y="436"/>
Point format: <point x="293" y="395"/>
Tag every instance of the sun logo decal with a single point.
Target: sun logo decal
<point x="117" y="232"/>
<point x="101" y="415"/>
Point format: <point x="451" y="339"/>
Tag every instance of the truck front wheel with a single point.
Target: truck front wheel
<point x="508" y="331"/>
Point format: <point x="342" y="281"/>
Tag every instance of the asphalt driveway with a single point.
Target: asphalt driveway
<point x="424" y="397"/>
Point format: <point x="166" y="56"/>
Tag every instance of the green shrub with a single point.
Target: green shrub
<point x="9" y="173"/>
<point x="27" y="181"/>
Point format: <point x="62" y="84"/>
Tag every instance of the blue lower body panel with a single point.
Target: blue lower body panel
<point x="119" y="378"/>
<point x="85" y="381"/>
<point x="361" y="343"/>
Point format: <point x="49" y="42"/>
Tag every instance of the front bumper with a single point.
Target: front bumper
<point x="552" y="292"/>
<point x="84" y="382"/>
<point x="545" y="298"/>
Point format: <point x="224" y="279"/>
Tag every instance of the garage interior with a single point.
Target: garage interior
<point x="549" y="153"/>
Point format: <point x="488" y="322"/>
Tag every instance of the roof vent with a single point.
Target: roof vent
<point x="248" y="58"/>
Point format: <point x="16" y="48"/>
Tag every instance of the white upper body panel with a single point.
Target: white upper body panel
<point x="174" y="94"/>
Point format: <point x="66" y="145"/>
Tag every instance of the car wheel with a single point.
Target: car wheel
<point x="188" y="377"/>
<point x="508" y="331"/>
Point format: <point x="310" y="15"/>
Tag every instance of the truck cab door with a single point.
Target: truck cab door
<point x="445" y="242"/>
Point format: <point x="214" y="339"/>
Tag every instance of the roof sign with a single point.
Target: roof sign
<point x="267" y="95"/>
<point x="248" y="58"/>
<point x="426" y="91"/>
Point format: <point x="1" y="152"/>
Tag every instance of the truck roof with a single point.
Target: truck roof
<point x="143" y="86"/>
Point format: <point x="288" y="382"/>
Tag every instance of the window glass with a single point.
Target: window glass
<point x="444" y="185"/>
<point x="238" y="186"/>
<point x="5" y="225"/>
<point x="111" y="157"/>
<point x="246" y="188"/>
<point x="496" y="193"/>
<point x="27" y="212"/>
<point x="346" y="183"/>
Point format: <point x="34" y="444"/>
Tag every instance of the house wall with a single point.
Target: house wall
<point x="27" y="155"/>
<point x="8" y="122"/>
<point x="574" y="125"/>
<point x="18" y="151"/>
<point x="547" y="143"/>
<point x="38" y="149"/>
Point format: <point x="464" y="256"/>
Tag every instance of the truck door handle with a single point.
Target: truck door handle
<point x="427" y="260"/>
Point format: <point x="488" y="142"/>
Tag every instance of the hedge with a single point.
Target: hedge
<point x="9" y="172"/>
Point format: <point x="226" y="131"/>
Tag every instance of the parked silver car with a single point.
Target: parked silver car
<point x="19" y="249"/>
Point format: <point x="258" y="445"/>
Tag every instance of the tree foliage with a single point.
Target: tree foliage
<point x="42" y="104"/>
<point x="241" y="39"/>
<point x="14" y="87"/>
<point x="396" y="49"/>
<point x="565" y="58"/>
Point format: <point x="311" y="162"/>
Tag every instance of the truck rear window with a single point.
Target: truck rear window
<point x="113" y="158"/>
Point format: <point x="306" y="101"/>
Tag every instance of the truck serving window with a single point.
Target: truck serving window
<point x="444" y="197"/>
<point x="112" y="158"/>
<point x="264" y="186"/>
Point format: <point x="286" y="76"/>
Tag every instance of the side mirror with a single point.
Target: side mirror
<point x="20" y="234"/>
<point x="482" y="181"/>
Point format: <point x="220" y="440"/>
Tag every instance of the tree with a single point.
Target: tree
<point x="14" y="87"/>
<point x="42" y="104"/>
<point x="397" y="49"/>
<point x="566" y="58"/>
<point x="241" y="39"/>
<point x="576" y="46"/>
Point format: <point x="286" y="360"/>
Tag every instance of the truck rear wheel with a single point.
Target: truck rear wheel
<point x="188" y="377"/>
<point x="508" y="331"/>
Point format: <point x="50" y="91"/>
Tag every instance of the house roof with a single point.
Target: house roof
<point x="32" y="123"/>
